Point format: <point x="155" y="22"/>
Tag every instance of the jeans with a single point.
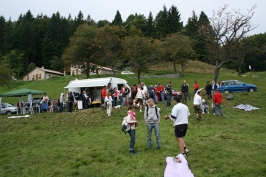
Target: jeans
<point x="132" y="134"/>
<point x="169" y="97"/>
<point x="156" y="127"/>
<point x="184" y="97"/>
<point x="218" y="107"/>
<point x="61" y="107"/>
<point x="162" y="96"/>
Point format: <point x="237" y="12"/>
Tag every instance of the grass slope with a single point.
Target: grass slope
<point x="87" y="143"/>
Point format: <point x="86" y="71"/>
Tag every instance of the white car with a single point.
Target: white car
<point x="127" y="72"/>
<point x="8" y="108"/>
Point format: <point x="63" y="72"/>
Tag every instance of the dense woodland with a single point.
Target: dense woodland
<point x="56" y="42"/>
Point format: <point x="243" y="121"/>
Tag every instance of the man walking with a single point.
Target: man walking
<point x="152" y="119"/>
<point x="184" y="90"/>
<point x="208" y="89"/>
<point x="179" y="116"/>
<point x="217" y="101"/>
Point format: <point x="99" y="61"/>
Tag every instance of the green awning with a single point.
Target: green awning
<point x="22" y="92"/>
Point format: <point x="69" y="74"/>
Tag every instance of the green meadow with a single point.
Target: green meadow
<point x="88" y="143"/>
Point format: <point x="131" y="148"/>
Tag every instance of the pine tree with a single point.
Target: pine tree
<point x="174" y="20"/>
<point x="149" y="26"/>
<point x="118" y="19"/>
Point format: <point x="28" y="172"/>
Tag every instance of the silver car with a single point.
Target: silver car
<point x="8" y="108"/>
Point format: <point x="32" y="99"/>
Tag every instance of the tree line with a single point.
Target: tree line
<point x="57" y="42"/>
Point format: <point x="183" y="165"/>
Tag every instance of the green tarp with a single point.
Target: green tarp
<point x="22" y="92"/>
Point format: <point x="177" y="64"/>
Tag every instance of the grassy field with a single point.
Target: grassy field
<point x="87" y="143"/>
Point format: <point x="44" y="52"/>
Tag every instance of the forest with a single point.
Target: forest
<point x="57" y="42"/>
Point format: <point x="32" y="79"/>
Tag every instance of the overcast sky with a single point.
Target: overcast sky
<point x="106" y="9"/>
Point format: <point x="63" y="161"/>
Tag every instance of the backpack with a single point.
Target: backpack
<point x="125" y="126"/>
<point x="155" y="111"/>
<point x="134" y="89"/>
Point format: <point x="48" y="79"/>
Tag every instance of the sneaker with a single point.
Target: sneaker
<point x="203" y="113"/>
<point x="186" y="151"/>
<point x="208" y="112"/>
<point x="198" y="118"/>
<point x="140" y="110"/>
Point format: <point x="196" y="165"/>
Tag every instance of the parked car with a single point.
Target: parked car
<point x="127" y="72"/>
<point x="236" y="86"/>
<point x="8" y="108"/>
<point x="174" y="93"/>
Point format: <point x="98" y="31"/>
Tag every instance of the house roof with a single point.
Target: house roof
<point x="50" y="71"/>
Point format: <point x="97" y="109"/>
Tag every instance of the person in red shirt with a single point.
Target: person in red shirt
<point x="161" y="89"/>
<point x="217" y="101"/>
<point x="196" y="87"/>
<point x="103" y="93"/>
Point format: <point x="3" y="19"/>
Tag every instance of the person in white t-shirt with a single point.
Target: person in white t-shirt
<point x="197" y="104"/>
<point x="179" y="116"/>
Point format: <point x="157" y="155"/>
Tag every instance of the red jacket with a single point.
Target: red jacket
<point x="217" y="98"/>
<point x="196" y="86"/>
<point x="103" y="93"/>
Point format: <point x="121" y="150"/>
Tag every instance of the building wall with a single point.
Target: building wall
<point x="38" y="74"/>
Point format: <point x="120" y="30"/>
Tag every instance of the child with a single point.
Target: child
<point x="204" y="107"/>
<point x="108" y="101"/>
<point x="132" y="121"/>
<point x="51" y="107"/>
<point x="213" y="107"/>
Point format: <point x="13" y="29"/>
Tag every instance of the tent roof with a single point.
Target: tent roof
<point x="99" y="82"/>
<point x="22" y="92"/>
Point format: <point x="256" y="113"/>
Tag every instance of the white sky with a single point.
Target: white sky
<point x="106" y="9"/>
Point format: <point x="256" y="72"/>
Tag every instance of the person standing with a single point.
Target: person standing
<point x="168" y="91"/>
<point x="70" y="102"/>
<point x="214" y="87"/>
<point x="134" y="91"/>
<point x="161" y="89"/>
<point x="103" y="94"/>
<point x="197" y="104"/>
<point x="208" y="89"/>
<point x="115" y="95"/>
<point x="61" y="100"/>
<point x="184" y="90"/>
<point x="196" y="87"/>
<point x="217" y="101"/>
<point x="140" y="97"/>
<point x="132" y="121"/>
<point x="111" y="90"/>
<point x="108" y="101"/>
<point x="152" y="119"/>
<point x="179" y="116"/>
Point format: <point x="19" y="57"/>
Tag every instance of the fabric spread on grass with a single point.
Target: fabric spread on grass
<point x="175" y="169"/>
<point x="246" y="107"/>
<point x="15" y="117"/>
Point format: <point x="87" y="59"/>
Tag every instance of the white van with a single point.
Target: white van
<point x="95" y="85"/>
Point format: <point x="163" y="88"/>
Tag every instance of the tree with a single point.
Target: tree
<point x="149" y="26"/>
<point x="174" y="20"/>
<point x="111" y="36"/>
<point x="178" y="49"/>
<point x="118" y="19"/>
<point x="161" y="24"/>
<point x="139" y="53"/>
<point x="225" y="30"/>
<point x="16" y="62"/>
<point x="83" y="49"/>
<point x="5" y="72"/>
<point x="31" y="67"/>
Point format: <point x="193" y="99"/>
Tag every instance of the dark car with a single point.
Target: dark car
<point x="236" y="86"/>
<point x="35" y="102"/>
<point x="8" y="108"/>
